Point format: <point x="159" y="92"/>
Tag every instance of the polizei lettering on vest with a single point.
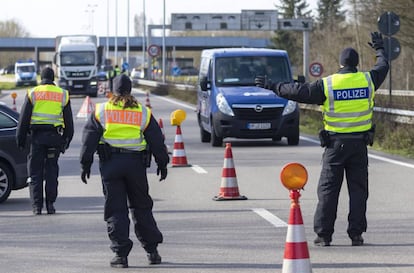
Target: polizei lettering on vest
<point x="50" y="96"/>
<point x="123" y="117"/>
<point x="351" y="94"/>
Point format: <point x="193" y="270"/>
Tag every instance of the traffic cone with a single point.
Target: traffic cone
<point x="14" y="105"/>
<point x="87" y="107"/>
<point x="160" y="123"/>
<point x="296" y="257"/>
<point x="147" y="101"/>
<point x="179" y="159"/>
<point x="229" y="190"/>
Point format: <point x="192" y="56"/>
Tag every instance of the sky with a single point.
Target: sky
<point x="49" y="18"/>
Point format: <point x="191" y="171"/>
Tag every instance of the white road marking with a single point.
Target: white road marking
<point x="198" y="169"/>
<point x="392" y="161"/>
<point x="273" y="219"/>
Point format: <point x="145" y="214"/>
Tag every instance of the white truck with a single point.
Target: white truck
<point x="76" y="62"/>
<point x="25" y="72"/>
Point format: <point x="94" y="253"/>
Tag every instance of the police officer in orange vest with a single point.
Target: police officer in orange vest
<point x="347" y="99"/>
<point x="47" y="115"/>
<point x="121" y="131"/>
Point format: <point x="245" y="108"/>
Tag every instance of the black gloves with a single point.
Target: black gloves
<point x="264" y="82"/>
<point x="86" y="173"/>
<point x="163" y="172"/>
<point x="377" y="41"/>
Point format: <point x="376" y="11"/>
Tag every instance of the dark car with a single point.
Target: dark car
<point x="13" y="169"/>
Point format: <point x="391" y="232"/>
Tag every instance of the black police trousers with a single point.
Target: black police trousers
<point x="347" y="156"/>
<point x="43" y="166"/>
<point x="125" y="183"/>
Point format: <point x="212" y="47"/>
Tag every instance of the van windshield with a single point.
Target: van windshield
<point x="24" y="69"/>
<point x="241" y="71"/>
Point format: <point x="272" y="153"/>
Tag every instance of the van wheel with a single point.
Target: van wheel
<point x="293" y="140"/>
<point x="205" y="136"/>
<point x="216" y="141"/>
<point x="6" y="180"/>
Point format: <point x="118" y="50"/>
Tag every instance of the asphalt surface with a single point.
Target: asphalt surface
<point x="202" y="235"/>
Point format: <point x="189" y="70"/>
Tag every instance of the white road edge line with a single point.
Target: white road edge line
<point x="273" y="219"/>
<point x="392" y="161"/>
<point x="198" y="169"/>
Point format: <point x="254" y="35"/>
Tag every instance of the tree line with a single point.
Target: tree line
<point x="337" y="24"/>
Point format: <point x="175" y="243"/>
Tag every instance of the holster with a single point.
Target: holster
<point x="324" y="138"/>
<point x="370" y="135"/>
<point x="104" y="152"/>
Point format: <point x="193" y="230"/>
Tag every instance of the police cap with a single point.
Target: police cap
<point x="122" y="85"/>
<point x="349" y="57"/>
<point x="47" y="74"/>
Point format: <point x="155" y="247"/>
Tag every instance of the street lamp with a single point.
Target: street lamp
<point x="91" y="9"/>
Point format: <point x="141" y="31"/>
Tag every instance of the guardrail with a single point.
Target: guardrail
<point x="397" y="115"/>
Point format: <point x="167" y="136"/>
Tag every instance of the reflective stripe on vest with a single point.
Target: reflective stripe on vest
<point x="349" y="104"/>
<point x="123" y="128"/>
<point x="48" y="102"/>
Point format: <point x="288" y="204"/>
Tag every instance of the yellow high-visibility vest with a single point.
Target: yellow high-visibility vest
<point x="349" y="102"/>
<point x="48" y="102"/>
<point x="123" y="128"/>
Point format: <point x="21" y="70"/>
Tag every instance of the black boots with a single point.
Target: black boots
<point x="357" y="240"/>
<point x="37" y="211"/>
<point x="50" y="208"/>
<point x="119" y="262"/>
<point x="154" y="257"/>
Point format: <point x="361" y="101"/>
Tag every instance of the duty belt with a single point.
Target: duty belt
<point x="347" y="136"/>
<point x="123" y="151"/>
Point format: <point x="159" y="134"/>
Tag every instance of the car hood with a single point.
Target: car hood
<point x="250" y="94"/>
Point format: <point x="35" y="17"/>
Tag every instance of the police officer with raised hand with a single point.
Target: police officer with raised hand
<point x="47" y="115"/>
<point x="347" y="99"/>
<point x="120" y="130"/>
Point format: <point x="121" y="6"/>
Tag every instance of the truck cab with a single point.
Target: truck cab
<point x="25" y="73"/>
<point x="76" y="61"/>
<point x="230" y="105"/>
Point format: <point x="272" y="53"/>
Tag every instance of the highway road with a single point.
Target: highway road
<point x="202" y="235"/>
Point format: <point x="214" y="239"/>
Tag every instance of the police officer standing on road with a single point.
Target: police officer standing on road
<point x="47" y="115"/>
<point x="347" y="99"/>
<point x="120" y="131"/>
<point x="111" y="75"/>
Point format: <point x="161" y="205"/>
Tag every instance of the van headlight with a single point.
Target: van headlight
<point x="223" y="106"/>
<point x="289" y="108"/>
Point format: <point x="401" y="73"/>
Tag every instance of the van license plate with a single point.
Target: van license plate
<point x="258" y="126"/>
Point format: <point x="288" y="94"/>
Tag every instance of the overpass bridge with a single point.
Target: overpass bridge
<point x="188" y="43"/>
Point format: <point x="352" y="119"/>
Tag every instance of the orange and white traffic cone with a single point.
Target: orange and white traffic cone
<point x="160" y="123"/>
<point x="229" y="190"/>
<point x="147" y="101"/>
<point x="179" y="159"/>
<point x="87" y="107"/>
<point x="296" y="257"/>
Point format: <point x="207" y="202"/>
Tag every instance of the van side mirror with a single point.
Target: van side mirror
<point x="301" y="79"/>
<point x="204" y="83"/>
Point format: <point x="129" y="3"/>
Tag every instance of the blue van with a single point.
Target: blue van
<point x="230" y="105"/>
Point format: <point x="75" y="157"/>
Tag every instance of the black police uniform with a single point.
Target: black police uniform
<point x="125" y="183"/>
<point x="47" y="142"/>
<point x="345" y="153"/>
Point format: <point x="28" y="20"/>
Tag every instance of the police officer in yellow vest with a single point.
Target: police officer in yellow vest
<point x="47" y="115"/>
<point x="347" y="99"/>
<point x="120" y="131"/>
<point x="112" y="74"/>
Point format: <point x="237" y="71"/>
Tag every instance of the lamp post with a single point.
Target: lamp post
<point x="127" y="38"/>
<point x="107" y="30"/>
<point x="144" y="30"/>
<point x="91" y="9"/>
<point x="116" y="32"/>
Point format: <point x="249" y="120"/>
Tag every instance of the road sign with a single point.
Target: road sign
<point x="393" y="47"/>
<point x="154" y="50"/>
<point x="389" y="23"/>
<point x="316" y="69"/>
